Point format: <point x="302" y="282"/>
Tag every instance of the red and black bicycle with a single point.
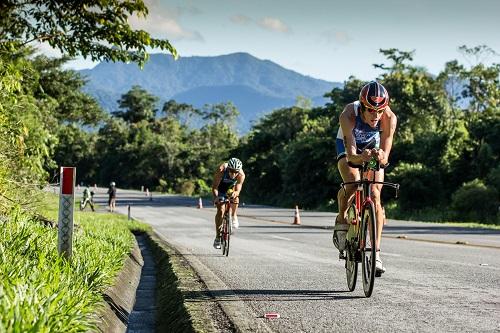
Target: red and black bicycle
<point x="226" y="227"/>
<point x="362" y="233"/>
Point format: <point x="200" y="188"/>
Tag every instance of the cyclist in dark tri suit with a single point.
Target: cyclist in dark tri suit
<point x="228" y="181"/>
<point x="368" y="120"/>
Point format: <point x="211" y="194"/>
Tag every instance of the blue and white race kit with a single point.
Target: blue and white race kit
<point x="362" y="132"/>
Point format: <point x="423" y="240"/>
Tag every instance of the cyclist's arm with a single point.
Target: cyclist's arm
<point x="239" y="184"/>
<point x="347" y="123"/>
<point x="217" y="178"/>
<point x="388" y="127"/>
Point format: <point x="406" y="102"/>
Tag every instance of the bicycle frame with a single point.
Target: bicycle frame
<point x="227" y="210"/>
<point x="225" y="231"/>
<point x="362" y="195"/>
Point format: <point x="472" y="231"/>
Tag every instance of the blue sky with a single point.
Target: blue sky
<point x="330" y="40"/>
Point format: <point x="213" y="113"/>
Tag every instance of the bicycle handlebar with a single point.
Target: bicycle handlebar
<point x="364" y="181"/>
<point x="225" y="199"/>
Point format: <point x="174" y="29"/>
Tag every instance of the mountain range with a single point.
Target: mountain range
<point x="255" y="86"/>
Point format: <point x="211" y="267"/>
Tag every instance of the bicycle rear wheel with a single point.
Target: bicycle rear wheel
<point x="368" y="247"/>
<point x="351" y="265"/>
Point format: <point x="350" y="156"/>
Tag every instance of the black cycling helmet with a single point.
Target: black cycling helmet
<point x="374" y="96"/>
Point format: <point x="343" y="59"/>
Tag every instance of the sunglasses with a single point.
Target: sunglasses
<point x="374" y="111"/>
<point x="233" y="171"/>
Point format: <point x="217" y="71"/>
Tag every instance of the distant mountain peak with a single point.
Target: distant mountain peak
<point x="255" y="86"/>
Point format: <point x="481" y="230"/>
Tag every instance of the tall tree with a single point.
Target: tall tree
<point x="64" y="87"/>
<point x="138" y="105"/>
<point x="182" y="112"/>
<point x="97" y="29"/>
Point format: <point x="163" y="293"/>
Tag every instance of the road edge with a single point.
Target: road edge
<point x="240" y="315"/>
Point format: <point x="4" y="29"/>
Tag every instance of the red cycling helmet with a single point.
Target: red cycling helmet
<point x="374" y="96"/>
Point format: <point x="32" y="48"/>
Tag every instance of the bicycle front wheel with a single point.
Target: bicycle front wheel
<point x="228" y="233"/>
<point x="223" y="234"/>
<point x="368" y="247"/>
<point x="351" y="265"/>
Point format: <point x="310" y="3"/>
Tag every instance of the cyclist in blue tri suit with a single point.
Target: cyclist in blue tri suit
<point x="368" y="120"/>
<point x="228" y="181"/>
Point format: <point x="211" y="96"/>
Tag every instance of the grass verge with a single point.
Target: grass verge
<point x="434" y="215"/>
<point x="42" y="292"/>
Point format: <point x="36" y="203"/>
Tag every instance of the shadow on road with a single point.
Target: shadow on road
<point x="125" y="200"/>
<point x="269" y="295"/>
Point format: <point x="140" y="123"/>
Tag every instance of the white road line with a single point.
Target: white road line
<point x="282" y="238"/>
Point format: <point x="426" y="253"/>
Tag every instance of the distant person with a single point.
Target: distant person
<point x="112" y="196"/>
<point x="88" y="198"/>
<point x="228" y="182"/>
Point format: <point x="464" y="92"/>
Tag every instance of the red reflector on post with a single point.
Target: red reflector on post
<point x="67" y="180"/>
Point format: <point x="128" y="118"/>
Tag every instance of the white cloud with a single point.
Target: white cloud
<point x="191" y="10"/>
<point x="162" y="22"/>
<point x="46" y="49"/>
<point x="273" y="24"/>
<point x="241" y="19"/>
<point x="77" y="63"/>
<point x="336" y="37"/>
<point x="164" y="27"/>
<point x="267" y="23"/>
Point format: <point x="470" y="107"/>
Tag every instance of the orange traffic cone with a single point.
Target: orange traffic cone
<point x="200" y="204"/>
<point x="296" y="219"/>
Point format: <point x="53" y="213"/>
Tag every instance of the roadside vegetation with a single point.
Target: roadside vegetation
<point x="42" y="292"/>
<point x="43" y="113"/>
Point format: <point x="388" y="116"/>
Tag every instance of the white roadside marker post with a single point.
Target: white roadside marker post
<point x="66" y="207"/>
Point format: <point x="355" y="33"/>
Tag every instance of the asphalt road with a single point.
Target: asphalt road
<point x="431" y="284"/>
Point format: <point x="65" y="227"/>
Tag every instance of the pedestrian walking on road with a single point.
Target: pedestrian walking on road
<point x="112" y="196"/>
<point x="88" y="198"/>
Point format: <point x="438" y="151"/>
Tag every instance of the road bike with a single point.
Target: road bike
<point x="226" y="227"/>
<point x="362" y="233"/>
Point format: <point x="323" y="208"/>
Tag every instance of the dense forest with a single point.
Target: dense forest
<point x="445" y="154"/>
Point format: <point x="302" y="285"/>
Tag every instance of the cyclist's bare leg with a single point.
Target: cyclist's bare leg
<point x="218" y="218"/>
<point x="344" y="198"/>
<point x="234" y="206"/>
<point x="376" y="190"/>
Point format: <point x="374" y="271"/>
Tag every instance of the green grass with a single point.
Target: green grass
<point x="172" y="314"/>
<point x="435" y="215"/>
<point x="40" y="291"/>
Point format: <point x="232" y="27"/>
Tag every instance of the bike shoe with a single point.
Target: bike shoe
<point x="217" y="243"/>
<point x="236" y="224"/>
<point x="379" y="268"/>
<point x="339" y="235"/>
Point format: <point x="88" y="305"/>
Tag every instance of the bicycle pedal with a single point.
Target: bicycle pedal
<point x="342" y="256"/>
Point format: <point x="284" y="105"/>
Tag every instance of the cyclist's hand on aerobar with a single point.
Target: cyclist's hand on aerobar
<point x="366" y="155"/>
<point x="231" y="194"/>
<point x="378" y="154"/>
